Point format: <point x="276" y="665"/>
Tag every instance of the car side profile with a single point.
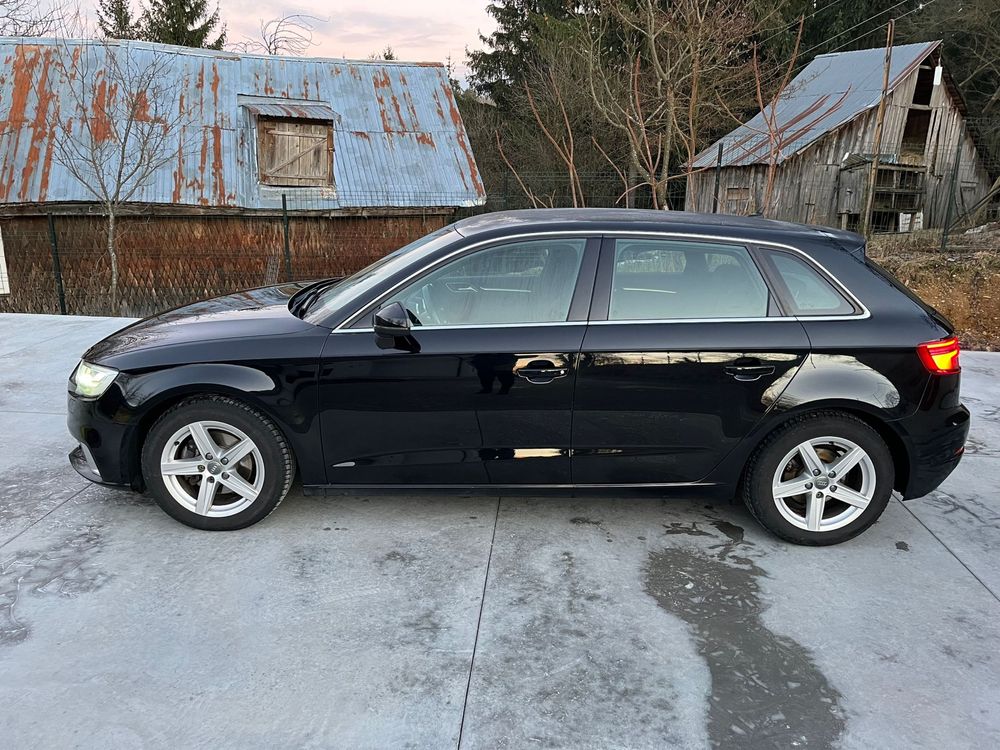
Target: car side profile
<point x="578" y="350"/>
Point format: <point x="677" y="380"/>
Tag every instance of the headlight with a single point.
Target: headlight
<point x="90" y="381"/>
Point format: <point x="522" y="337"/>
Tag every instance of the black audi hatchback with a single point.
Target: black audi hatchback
<point x="570" y="350"/>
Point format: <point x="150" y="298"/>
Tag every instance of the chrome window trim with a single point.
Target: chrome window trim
<point x="476" y="326"/>
<point x="774" y="318"/>
<point x="664" y="321"/>
<point x="749" y="243"/>
<point x="671" y="321"/>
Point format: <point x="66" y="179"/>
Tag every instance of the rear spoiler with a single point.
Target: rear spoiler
<point x="851" y="243"/>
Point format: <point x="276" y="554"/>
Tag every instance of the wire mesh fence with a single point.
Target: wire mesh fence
<point x="62" y="263"/>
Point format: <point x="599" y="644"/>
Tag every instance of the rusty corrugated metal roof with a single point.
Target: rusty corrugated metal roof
<point x="829" y="92"/>
<point x="300" y="111"/>
<point x="399" y="140"/>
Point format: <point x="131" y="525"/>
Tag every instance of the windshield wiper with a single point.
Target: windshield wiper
<point x="306" y="296"/>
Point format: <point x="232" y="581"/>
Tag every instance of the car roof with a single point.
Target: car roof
<point x="632" y="219"/>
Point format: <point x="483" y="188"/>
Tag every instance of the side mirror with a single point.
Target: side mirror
<point x="391" y="321"/>
<point x="392" y="329"/>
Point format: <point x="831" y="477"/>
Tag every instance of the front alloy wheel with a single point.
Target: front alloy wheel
<point x="212" y="468"/>
<point x="819" y="479"/>
<point x="216" y="463"/>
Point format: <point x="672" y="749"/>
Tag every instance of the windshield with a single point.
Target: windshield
<point x="355" y="287"/>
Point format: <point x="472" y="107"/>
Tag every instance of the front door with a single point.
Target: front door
<point x="685" y="353"/>
<point x="483" y="390"/>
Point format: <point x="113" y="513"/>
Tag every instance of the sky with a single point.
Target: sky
<point x="418" y="30"/>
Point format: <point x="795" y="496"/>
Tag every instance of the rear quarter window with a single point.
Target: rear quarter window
<point x="807" y="291"/>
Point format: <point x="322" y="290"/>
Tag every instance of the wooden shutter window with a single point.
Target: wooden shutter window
<point x="295" y="153"/>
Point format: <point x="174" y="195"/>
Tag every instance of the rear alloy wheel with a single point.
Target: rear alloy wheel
<point x="820" y="479"/>
<point x="215" y="463"/>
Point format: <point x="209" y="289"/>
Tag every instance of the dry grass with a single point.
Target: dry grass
<point x="963" y="282"/>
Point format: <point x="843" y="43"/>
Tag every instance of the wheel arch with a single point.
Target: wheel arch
<point x="151" y="408"/>
<point x="886" y="429"/>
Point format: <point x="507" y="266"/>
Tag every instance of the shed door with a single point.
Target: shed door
<point x="295" y="153"/>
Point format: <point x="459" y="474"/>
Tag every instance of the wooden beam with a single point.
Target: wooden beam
<point x="866" y="218"/>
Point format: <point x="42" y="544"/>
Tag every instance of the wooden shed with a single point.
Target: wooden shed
<point x="815" y="143"/>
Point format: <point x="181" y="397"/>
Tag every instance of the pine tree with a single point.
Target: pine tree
<point x="502" y="67"/>
<point x="187" y="23"/>
<point x="115" y="20"/>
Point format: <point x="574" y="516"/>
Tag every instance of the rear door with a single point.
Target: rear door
<point x="484" y="392"/>
<point x="686" y="350"/>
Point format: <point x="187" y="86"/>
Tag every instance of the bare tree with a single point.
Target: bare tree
<point x="39" y="18"/>
<point x="560" y="135"/>
<point x="289" y="35"/>
<point x="775" y="133"/>
<point x="555" y="130"/>
<point x="26" y="18"/>
<point x="126" y="123"/>
<point x="536" y="200"/>
<point x="653" y="68"/>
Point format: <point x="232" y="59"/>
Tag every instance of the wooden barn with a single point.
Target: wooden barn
<point x="815" y="144"/>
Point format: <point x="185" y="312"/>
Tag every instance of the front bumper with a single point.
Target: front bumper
<point x="105" y="452"/>
<point x="82" y="460"/>
<point x="936" y="454"/>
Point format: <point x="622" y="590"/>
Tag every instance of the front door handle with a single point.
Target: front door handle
<point x="749" y="373"/>
<point x="541" y="372"/>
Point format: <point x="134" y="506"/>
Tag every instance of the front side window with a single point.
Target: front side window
<point x="809" y="291"/>
<point x="520" y="282"/>
<point x="673" y="279"/>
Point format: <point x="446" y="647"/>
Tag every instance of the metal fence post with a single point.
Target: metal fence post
<point x="288" y="250"/>
<point x="950" y="197"/>
<point x="56" y="267"/>
<point x="718" y="180"/>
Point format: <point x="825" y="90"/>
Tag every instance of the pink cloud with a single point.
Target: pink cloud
<point x="424" y="30"/>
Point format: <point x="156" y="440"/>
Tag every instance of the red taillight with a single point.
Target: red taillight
<point x="940" y="357"/>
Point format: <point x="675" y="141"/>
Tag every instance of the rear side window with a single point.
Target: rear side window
<point x="675" y="280"/>
<point x="808" y="291"/>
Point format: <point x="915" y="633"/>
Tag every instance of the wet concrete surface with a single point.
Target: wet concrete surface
<point x="385" y="622"/>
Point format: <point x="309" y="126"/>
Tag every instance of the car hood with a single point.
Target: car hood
<point x="254" y="312"/>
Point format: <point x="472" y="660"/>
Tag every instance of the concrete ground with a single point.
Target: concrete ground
<point x="483" y="622"/>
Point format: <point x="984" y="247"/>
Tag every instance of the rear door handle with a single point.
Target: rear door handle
<point x="542" y="372"/>
<point x="749" y="373"/>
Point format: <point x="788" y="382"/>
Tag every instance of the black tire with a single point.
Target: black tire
<point x="278" y="462"/>
<point x="757" y="488"/>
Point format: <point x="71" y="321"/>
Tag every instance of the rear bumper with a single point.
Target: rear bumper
<point x="936" y="454"/>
